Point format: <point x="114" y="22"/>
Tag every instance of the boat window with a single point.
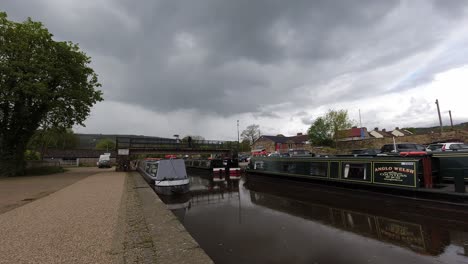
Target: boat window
<point x="319" y="169"/>
<point x="356" y="171"/>
<point x="153" y="169"/>
<point x="258" y="165"/>
<point x="290" y="168"/>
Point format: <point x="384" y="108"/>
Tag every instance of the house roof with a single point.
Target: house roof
<point x="299" y="139"/>
<point x="406" y="132"/>
<point x="275" y="139"/>
<point x="278" y="139"/>
<point x="353" y="132"/>
<point x="383" y="133"/>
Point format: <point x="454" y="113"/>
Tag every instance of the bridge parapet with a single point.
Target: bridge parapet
<point x="166" y="143"/>
<point x="127" y="146"/>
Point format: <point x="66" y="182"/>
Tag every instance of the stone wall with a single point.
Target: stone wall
<point x="269" y="146"/>
<point x="264" y="143"/>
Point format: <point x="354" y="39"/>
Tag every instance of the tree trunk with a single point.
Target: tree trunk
<point x="12" y="157"/>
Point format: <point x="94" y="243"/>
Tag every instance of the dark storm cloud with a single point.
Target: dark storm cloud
<point x="307" y="121"/>
<point x="231" y="57"/>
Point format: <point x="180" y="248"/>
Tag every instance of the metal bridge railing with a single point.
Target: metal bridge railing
<point x="163" y="143"/>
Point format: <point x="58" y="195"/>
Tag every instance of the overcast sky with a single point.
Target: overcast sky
<point x="196" y="67"/>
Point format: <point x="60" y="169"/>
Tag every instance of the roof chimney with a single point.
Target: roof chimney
<point x="396" y="128"/>
<point x="354" y="127"/>
<point x="384" y="130"/>
<point x="376" y="129"/>
<point x="299" y="134"/>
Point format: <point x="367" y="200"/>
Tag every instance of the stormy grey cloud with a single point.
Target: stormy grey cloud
<point x="265" y="59"/>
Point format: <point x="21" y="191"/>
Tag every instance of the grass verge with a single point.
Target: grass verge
<point x="44" y="170"/>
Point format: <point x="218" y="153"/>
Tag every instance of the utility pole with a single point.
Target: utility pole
<point x="451" y="121"/>
<point x="440" y="118"/>
<point x="238" y="140"/>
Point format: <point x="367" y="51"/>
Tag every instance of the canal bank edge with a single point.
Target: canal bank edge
<point x="170" y="240"/>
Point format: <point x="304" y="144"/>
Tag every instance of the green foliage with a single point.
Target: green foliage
<point x="32" y="155"/>
<point x="411" y="129"/>
<point x="194" y="138"/>
<point x="44" y="170"/>
<point x="244" y="146"/>
<point x="251" y="133"/>
<point x="53" y="138"/>
<point x="105" y="144"/>
<point x="326" y="128"/>
<point x="320" y="133"/>
<point x="43" y="84"/>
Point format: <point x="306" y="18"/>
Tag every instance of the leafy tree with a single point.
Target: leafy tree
<point x="280" y="135"/>
<point x="53" y="138"/>
<point x="244" y="146"/>
<point x="43" y="84"/>
<point x="338" y="121"/>
<point x="251" y="133"/>
<point x="32" y="155"/>
<point x="194" y="138"/>
<point x="326" y="128"/>
<point x="105" y="144"/>
<point x="319" y="133"/>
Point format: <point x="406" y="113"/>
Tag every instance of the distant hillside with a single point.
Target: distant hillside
<point x="427" y="130"/>
<point x="88" y="141"/>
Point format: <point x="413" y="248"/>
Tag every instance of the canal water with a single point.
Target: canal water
<point x="268" y="220"/>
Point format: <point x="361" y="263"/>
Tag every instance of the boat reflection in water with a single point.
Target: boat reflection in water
<point x="203" y="191"/>
<point x="416" y="225"/>
<point x="265" y="220"/>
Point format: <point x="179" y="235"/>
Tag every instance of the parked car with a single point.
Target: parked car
<point x="277" y="155"/>
<point x="448" y="146"/>
<point x="300" y="153"/>
<point x="244" y="158"/>
<point x="366" y="152"/>
<point x="402" y="147"/>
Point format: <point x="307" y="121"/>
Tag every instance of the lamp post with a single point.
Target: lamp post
<point x="238" y="139"/>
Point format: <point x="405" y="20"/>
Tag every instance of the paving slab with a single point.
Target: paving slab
<point x="171" y="241"/>
<point x="18" y="191"/>
<point x="76" y="224"/>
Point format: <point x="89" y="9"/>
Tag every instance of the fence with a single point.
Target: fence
<point x="41" y="163"/>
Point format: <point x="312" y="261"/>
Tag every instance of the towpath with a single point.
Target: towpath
<point x="90" y="216"/>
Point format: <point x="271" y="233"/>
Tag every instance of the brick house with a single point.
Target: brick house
<point x="355" y="133"/>
<point x="280" y="144"/>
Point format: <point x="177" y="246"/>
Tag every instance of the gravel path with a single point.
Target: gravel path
<point x="73" y="225"/>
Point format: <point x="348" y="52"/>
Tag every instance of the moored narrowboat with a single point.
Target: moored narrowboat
<point x="167" y="175"/>
<point x="407" y="171"/>
<point x="220" y="169"/>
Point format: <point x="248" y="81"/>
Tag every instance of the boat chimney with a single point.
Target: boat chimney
<point x="376" y="129"/>
<point x="299" y="134"/>
<point x="384" y="130"/>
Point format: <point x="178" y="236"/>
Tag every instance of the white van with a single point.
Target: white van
<point x="104" y="161"/>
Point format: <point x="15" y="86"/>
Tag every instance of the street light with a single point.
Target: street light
<point x="238" y="141"/>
